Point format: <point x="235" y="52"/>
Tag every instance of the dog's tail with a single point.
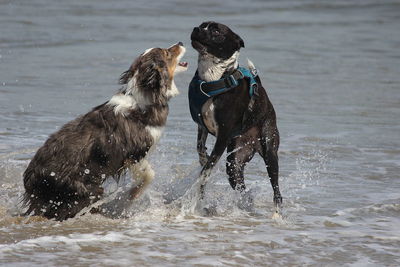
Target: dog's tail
<point x="250" y="64"/>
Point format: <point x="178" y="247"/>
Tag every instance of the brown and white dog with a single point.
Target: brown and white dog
<point x="242" y="123"/>
<point x="67" y="172"/>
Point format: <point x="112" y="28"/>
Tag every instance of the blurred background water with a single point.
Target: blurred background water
<point x="332" y="71"/>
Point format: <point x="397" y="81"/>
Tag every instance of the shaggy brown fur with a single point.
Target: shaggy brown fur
<point x="67" y="172"/>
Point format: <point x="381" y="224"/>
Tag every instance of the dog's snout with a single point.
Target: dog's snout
<point x="196" y="29"/>
<point x="180" y="44"/>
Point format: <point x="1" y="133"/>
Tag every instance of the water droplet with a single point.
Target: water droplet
<point x="52" y="174"/>
<point x="87" y="171"/>
<point x="103" y="176"/>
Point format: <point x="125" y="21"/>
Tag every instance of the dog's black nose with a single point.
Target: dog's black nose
<point x="180" y="43"/>
<point x="196" y="29"/>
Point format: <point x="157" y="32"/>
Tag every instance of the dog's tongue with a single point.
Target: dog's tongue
<point x="183" y="64"/>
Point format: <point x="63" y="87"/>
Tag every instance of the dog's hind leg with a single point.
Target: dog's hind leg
<point x="201" y="145"/>
<point x="269" y="152"/>
<point x="144" y="174"/>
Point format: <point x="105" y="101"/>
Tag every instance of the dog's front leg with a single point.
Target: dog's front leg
<point x="201" y="145"/>
<point x="144" y="174"/>
<point x="219" y="148"/>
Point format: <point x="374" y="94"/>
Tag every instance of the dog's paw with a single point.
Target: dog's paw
<point x="277" y="216"/>
<point x="210" y="211"/>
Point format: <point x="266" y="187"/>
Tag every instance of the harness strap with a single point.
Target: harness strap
<point x="222" y="85"/>
<point x="200" y="91"/>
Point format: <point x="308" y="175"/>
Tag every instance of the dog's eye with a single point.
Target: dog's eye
<point x="215" y="32"/>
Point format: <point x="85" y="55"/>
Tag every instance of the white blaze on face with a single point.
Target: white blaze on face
<point x="206" y="28"/>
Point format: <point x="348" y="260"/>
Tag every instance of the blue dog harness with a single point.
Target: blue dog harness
<point x="200" y="91"/>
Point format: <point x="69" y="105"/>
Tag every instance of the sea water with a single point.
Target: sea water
<point x="332" y="71"/>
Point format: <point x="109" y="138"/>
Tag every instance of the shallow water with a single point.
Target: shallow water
<point x="332" y="72"/>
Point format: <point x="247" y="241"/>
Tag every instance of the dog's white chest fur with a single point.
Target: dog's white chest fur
<point x="207" y="111"/>
<point x="211" y="68"/>
<point x="155" y="132"/>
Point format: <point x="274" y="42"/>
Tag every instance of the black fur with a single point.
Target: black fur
<point x="246" y="125"/>
<point x="217" y="40"/>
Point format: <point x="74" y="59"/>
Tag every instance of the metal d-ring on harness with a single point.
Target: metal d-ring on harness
<point x="200" y="91"/>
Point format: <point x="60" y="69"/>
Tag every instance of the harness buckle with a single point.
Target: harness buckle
<point x="231" y="82"/>
<point x="254" y="72"/>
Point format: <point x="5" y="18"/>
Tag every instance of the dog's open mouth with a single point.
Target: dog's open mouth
<point x="181" y="67"/>
<point x="183" y="64"/>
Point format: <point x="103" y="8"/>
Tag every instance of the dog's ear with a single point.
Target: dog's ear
<point x="152" y="78"/>
<point x="148" y="77"/>
<point x="125" y="77"/>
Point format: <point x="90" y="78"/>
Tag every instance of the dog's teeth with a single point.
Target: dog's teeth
<point x="183" y="64"/>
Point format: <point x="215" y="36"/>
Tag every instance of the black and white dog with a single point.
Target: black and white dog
<point x="230" y="103"/>
<point x="67" y="172"/>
